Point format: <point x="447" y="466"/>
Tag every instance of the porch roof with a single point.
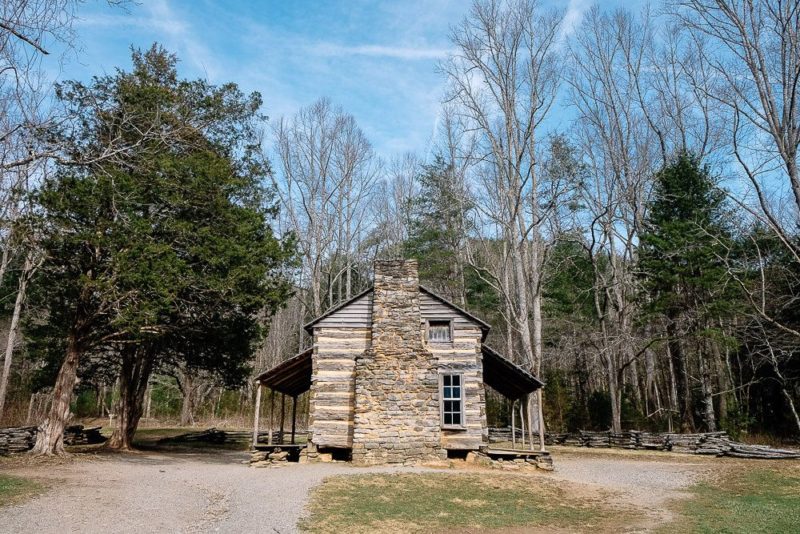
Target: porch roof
<point x="506" y="377"/>
<point x="291" y="377"/>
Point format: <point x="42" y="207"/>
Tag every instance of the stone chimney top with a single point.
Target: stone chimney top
<point x="397" y="270"/>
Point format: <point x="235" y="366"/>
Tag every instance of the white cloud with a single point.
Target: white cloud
<point x="181" y="37"/>
<point x="573" y="16"/>
<point x="379" y="51"/>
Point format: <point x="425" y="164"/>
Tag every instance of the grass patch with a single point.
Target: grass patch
<point x="15" y="489"/>
<point x="757" y="500"/>
<point x="446" y="502"/>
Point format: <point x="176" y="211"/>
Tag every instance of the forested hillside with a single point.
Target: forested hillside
<point x="620" y="200"/>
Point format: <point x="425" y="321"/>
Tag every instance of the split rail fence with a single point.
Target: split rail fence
<point x="708" y="443"/>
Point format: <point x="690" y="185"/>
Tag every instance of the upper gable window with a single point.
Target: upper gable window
<point x="440" y="331"/>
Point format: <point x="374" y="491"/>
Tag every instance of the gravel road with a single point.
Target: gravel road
<point x="136" y="493"/>
<point x="215" y="492"/>
<point x="649" y="482"/>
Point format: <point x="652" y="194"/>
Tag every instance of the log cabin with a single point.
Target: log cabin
<point x="396" y="374"/>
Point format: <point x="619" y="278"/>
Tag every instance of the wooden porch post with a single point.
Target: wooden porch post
<point x="513" y="424"/>
<point x="522" y="423"/>
<point x="530" y="419"/>
<point x="283" y="417"/>
<point x="271" y="413"/>
<point x="541" y="423"/>
<point x="257" y="414"/>
<point x="294" y="416"/>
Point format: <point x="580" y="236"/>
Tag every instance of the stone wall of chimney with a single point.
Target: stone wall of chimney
<point x="397" y="418"/>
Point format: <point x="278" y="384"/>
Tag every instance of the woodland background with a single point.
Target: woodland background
<point x="644" y="262"/>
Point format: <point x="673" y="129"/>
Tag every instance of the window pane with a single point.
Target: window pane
<point x="452" y="402"/>
<point x="439" y="331"/>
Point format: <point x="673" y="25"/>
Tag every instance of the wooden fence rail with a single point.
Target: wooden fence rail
<point x="22" y="439"/>
<point x="709" y="443"/>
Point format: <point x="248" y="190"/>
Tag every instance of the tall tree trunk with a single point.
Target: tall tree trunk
<point x="189" y="392"/>
<point x="719" y="368"/>
<point x="50" y="438"/>
<point x="681" y="375"/>
<point x="535" y="404"/>
<point x="27" y="271"/>
<point x="614" y="393"/>
<point x="148" y="403"/>
<point x="707" y="389"/>
<point x="137" y="366"/>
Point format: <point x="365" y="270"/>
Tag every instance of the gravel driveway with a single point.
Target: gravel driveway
<point x="215" y="492"/>
<point x="204" y="492"/>
<point x="647" y="481"/>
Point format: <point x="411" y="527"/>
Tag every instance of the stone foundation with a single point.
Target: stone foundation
<point x="269" y="459"/>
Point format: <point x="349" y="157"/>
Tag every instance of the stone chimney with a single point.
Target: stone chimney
<point x="396" y="384"/>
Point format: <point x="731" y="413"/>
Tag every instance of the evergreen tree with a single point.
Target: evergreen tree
<point x="156" y="233"/>
<point x="438" y="230"/>
<point x="682" y="260"/>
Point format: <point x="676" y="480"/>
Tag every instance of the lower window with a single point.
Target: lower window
<point x="452" y="400"/>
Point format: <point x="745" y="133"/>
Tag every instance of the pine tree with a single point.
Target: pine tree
<point x="438" y="230"/>
<point x="682" y="261"/>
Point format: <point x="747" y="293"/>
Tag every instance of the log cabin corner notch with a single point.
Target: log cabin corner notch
<point x="396" y="374"/>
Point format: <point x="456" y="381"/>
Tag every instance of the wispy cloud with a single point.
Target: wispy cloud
<point x="182" y="35"/>
<point x="376" y="59"/>
<point x="169" y="27"/>
<point x="573" y="16"/>
<point x="378" y="51"/>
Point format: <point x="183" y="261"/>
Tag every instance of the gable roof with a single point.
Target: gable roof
<point x="310" y="325"/>
<point x="485" y="327"/>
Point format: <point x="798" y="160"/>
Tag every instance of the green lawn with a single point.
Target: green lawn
<point x="451" y="502"/>
<point x="14" y="489"/>
<point x="753" y="499"/>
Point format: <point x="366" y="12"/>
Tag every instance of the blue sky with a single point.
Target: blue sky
<point x="375" y="59"/>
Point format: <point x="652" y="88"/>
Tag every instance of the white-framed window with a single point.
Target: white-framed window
<point x="452" y="388"/>
<point x="440" y="331"/>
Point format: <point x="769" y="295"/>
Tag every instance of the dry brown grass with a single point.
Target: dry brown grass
<point x="462" y="502"/>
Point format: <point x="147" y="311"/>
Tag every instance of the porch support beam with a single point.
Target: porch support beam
<point x="257" y="414"/>
<point x="294" y="416"/>
<point x="283" y="417"/>
<point x="271" y="414"/>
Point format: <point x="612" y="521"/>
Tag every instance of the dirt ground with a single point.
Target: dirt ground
<point x="213" y="491"/>
<point x="650" y="482"/>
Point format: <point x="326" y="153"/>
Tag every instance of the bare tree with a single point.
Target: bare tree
<point x="753" y="50"/>
<point x="502" y="80"/>
<point x="608" y="56"/>
<point x="392" y="205"/>
<point x="328" y="173"/>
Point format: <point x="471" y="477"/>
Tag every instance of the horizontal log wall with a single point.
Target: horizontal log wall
<point x="463" y="355"/>
<point x="332" y="383"/>
<point x="345" y="334"/>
